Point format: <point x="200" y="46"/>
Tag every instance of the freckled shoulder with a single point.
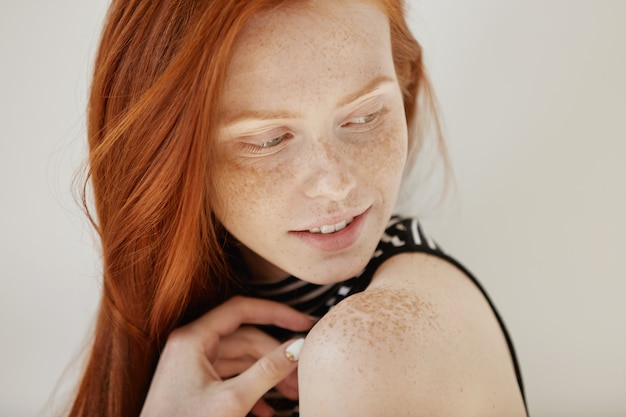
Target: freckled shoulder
<point x="421" y="340"/>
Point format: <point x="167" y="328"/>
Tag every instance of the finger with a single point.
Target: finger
<point x="266" y="372"/>
<point x="239" y="350"/>
<point x="227" y="368"/>
<point x="246" y="341"/>
<point x="262" y="409"/>
<point x="227" y="317"/>
<point x="289" y="386"/>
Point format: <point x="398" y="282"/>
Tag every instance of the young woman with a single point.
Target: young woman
<point x="250" y="150"/>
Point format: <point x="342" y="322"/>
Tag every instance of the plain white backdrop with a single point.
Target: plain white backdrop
<point x="533" y="98"/>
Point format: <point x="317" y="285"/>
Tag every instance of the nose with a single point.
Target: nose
<point x="330" y="174"/>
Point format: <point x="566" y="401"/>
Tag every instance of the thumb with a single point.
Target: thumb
<point x="268" y="371"/>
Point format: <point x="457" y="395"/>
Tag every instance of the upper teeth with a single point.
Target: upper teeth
<point x="332" y="228"/>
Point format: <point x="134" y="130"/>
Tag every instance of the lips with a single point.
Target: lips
<point x="333" y="235"/>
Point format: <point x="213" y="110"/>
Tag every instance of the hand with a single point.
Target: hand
<point x="186" y="382"/>
<point x="243" y="348"/>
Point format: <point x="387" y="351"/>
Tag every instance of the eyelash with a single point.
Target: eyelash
<point x="363" y="122"/>
<point x="367" y="122"/>
<point x="276" y="141"/>
<point x="265" y="147"/>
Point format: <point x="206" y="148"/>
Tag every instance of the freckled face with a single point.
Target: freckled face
<point x="313" y="140"/>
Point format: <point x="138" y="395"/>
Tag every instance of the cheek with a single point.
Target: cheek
<point x="384" y="157"/>
<point x="244" y="189"/>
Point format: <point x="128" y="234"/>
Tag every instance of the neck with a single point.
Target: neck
<point x="260" y="270"/>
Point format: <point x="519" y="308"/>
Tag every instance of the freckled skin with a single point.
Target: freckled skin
<point x="382" y="324"/>
<point x="377" y="315"/>
<point x="306" y="61"/>
<point x="420" y="340"/>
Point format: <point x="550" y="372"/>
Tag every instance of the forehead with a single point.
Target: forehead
<point x="308" y="47"/>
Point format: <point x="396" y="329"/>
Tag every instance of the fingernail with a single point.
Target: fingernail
<point x="293" y="350"/>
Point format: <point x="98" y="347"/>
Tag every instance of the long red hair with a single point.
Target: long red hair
<point x="152" y="113"/>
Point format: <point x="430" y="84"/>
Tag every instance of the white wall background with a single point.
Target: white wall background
<point x="533" y="96"/>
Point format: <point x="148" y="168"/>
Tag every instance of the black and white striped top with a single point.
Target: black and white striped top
<point x="401" y="236"/>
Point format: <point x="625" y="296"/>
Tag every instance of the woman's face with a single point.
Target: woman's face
<point x="313" y="140"/>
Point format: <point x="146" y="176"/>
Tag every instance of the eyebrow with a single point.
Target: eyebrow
<point x="258" y="115"/>
<point x="248" y="114"/>
<point x="368" y="88"/>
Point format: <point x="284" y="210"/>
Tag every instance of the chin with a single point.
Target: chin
<point x="333" y="273"/>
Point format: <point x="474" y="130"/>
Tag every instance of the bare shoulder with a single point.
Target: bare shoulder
<point x="421" y="340"/>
